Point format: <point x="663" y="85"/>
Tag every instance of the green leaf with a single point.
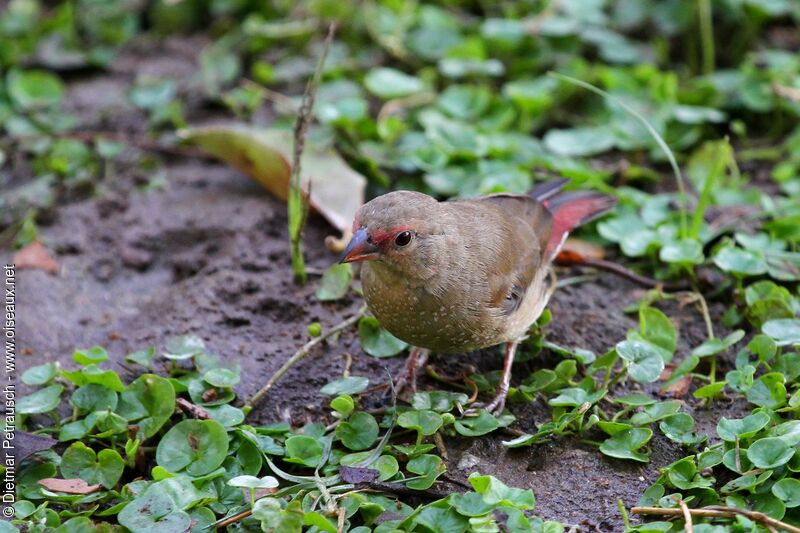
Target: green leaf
<point x="784" y="331"/>
<point x="680" y="428"/>
<point x="740" y="261"/>
<point x="655" y="412"/>
<point x="94" y="374"/>
<point x="465" y="101"/>
<point x="318" y="521"/>
<point x="40" y="375"/>
<point x="304" y="450"/>
<point x="30" y="89"/>
<point x="429" y="467"/>
<point x="644" y="362"/>
<point x="439" y="401"/>
<point x="90" y="356"/>
<point x="94" y="397"/>
<point x="682" y="252"/>
<point x="425" y="422"/>
<point x="435" y="518"/>
<point x="274" y="518"/>
<point x="788" y="491"/>
<point x="149" y="401"/>
<point x="389" y="83"/>
<point x="343" y="405"/>
<point x="579" y="142"/>
<point x="221" y="377"/>
<point x="497" y="493"/>
<point x="41" y="401"/>
<point x="715" y="346"/>
<point x="80" y="461"/>
<point x="358" y="432"/>
<point x="227" y="415"/>
<point x="194" y="446"/>
<point x="184" y="347"/>
<point x="335" y="282"/>
<point x="470" y="504"/>
<point x="657" y="328"/>
<point x="768" y="391"/>
<point x="475" y="426"/>
<point x="142" y="357"/>
<point x="253" y="482"/>
<point x="712" y="390"/>
<point x="575" y="397"/>
<point x="154" y="512"/>
<point x="770" y="452"/>
<point x="683" y="475"/>
<point x="376" y="341"/>
<point x="625" y="444"/>
<point x="347" y="385"/>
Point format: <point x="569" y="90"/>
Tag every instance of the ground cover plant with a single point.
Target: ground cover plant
<point x="190" y="359"/>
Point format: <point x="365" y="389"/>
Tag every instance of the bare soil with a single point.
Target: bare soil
<point x="207" y="254"/>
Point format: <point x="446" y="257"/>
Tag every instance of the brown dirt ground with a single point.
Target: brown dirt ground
<point x="207" y="254"/>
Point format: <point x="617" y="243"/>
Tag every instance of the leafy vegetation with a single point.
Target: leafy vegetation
<point x="454" y="100"/>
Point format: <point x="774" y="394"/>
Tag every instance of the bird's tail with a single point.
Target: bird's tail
<point x="570" y="210"/>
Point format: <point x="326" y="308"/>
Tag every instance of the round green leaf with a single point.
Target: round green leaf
<point x="684" y="252"/>
<point x="645" y="364"/>
<point x="253" y="482"/>
<point x="582" y="141"/>
<point x="788" y="491"/>
<point x="770" y="452"/>
<point x="41" y="401"/>
<point x="388" y="83"/>
<point x="740" y="261"/>
<point x="376" y="341"/>
<point x="221" y="377"/>
<point x="34" y="88"/>
<point x="40" y="375"/>
<point x="474" y="426"/>
<point x="80" y="462"/>
<point x="94" y="397"/>
<point x="347" y="385"/>
<point x="154" y="512"/>
<point x="304" y="450"/>
<point x="358" y="432"/>
<point x="90" y="356"/>
<point x="184" y="347"/>
<point x="196" y="446"/>
<point x="149" y="401"/>
<point x="425" y="422"/>
<point x="744" y="428"/>
<point x="784" y="331"/>
<point x="625" y="444"/>
<point x="335" y="282"/>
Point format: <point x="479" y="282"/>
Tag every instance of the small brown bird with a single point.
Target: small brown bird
<point x="457" y="276"/>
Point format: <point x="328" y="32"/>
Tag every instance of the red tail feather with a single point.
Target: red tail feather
<point x="572" y="209"/>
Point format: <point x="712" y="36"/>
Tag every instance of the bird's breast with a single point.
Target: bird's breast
<point x="432" y="315"/>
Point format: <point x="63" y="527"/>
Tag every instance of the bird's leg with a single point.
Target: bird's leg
<point x="496" y="405"/>
<point x="417" y="358"/>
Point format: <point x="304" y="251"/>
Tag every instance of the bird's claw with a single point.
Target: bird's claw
<point x="494" y="408"/>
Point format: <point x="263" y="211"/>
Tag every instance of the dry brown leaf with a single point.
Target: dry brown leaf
<point x="586" y="249"/>
<point x="69" y="486"/>
<point x="679" y="389"/>
<point x="34" y="255"/>
<point x="336" y="190"/>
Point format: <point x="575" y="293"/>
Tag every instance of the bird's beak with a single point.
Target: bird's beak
<point x="359" y="248"/>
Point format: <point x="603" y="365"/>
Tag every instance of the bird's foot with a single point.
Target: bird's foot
<point x="495" y="407"/>
<point x="408" y="379"/>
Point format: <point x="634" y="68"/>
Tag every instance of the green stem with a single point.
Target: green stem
<point x="706" y="35"/>
<point x="684" y="220"/>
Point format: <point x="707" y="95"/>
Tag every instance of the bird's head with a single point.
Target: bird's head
<point x="397" y="229"/>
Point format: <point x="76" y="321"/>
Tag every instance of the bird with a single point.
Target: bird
<point x="456" y="276"/>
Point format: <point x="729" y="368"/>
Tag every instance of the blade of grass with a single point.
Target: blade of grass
<point x="659" y="140"/>
<point x="298" y="198"/>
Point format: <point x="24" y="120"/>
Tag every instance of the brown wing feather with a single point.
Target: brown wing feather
<point x="527" y="224"/>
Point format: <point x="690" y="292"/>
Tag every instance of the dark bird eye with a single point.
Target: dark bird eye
<point x="403" y="238"/>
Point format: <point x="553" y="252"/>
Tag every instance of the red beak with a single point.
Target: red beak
<point x="359" y="248"/>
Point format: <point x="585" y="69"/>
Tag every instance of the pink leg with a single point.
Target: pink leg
<point x="496" y="405"/>
<point x="416" y="359"/>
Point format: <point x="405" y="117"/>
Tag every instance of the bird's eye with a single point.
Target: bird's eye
<point x="403" y="238"/>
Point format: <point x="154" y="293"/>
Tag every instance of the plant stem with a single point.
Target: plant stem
<point x="719" y="512"/>
<point x="659" y="140"/>
<point x="298" y="198"/>
<point x="706" y="22"/>
<point x="301" y="353"/>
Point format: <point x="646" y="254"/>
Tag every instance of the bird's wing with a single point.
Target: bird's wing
<point x="517" y="249"/>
